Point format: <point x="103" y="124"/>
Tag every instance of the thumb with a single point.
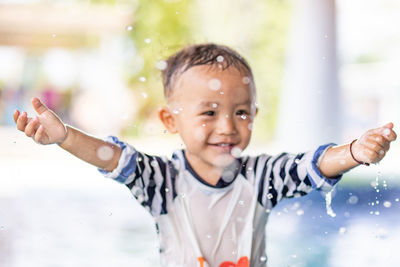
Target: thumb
<point x="38" y="105"/>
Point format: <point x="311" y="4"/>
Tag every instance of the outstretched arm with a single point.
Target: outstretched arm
<point x="47" y="128"/>
<point x="371" y="147"/>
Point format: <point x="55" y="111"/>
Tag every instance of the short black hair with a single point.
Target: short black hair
<point x="202" y="54"/>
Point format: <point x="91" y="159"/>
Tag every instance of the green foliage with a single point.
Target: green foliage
<point x="266" y="56"/>
<point x="160" y="29"/>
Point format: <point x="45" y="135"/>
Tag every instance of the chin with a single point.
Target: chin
<point x="223" y="160"/>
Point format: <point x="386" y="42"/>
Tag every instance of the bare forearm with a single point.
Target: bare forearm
<point x="370" y="148"/>
<point x="336" y="161"/>
<point x="93" y="150"/>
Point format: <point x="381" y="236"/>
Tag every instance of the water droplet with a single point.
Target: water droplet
<point x="152" y="183"/>
<point x="246" y="80"/>
<point x="236" y="152"/>
<point x="220" y="58"/>
<point x="342" y="230"/>
<point x="353" y="200"/>
<point x="214" y="84"/>
<point x="144" y="95"/>
<point x="154" y="163"/>
<point x="263" y="258"/>
<point x="386" y="132"/>
<point x="328" y="200"/>
<point x="147" y="40"/>
<point x="300" y="212"/>
<point x="387" y="204"/>
<point x="161" y="65"/>
<point x="129" y="28"/>
<point x="105" y="153"/>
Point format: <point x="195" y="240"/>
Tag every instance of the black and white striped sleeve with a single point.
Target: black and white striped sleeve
<point x="290" y="175"/>
<point x="145" y="176"/>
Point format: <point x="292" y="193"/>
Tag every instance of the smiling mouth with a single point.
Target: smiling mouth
<point x="223" y="147"/>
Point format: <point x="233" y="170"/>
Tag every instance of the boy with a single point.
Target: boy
<point x="209" y="203"/>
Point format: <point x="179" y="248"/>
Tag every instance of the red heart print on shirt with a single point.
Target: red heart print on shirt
<point x="243" y="262"/>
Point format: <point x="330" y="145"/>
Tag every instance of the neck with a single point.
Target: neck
<point x="208" y="172"/>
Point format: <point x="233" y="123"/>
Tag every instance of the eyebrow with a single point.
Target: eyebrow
<point x="210" y="103"/>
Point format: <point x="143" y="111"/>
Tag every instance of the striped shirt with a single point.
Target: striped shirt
<point x="199" y="224"/>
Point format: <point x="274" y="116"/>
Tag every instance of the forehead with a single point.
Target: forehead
<point x="210" y="83"/>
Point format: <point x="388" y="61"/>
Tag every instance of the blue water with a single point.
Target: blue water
<point x="73" y="228"/>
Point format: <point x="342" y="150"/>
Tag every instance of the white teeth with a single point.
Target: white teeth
<point x="223" y="145"/>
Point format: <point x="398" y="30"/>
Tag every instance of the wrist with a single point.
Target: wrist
<point x="353" y="157"/>
<point x="67" y="137"/>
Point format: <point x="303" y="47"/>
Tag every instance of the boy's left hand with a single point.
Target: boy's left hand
<point x="372" y="146"/>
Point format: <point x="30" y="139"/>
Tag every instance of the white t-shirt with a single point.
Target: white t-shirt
<point x="217" y="226"/>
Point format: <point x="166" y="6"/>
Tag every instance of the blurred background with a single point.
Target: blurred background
<point x="325" y="71"/>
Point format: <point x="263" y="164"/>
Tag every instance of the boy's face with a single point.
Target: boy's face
<point x="213" y="111"/>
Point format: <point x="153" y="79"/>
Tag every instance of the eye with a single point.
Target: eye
<point x="242" y="112"/>
<point x="209" y="113"/>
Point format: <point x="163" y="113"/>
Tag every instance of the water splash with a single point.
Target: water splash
<point x="328" y="201"/>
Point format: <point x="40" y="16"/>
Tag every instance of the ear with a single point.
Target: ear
<point x="167" y="119"/>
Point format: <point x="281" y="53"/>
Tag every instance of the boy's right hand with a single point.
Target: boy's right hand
<point x="46" y="128"/>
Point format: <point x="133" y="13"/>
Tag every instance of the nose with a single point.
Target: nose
<point x="226" y="125"/>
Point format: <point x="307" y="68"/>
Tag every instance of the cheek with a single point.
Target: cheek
<point x="199" y="134"/>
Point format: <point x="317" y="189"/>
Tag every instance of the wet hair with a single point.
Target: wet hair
<point x="202" y="54"/>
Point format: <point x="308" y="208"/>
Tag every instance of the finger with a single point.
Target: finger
<point x="39" y="134"/>
<point x="375" y="142"/>
<point x="38" y="105"/>
<point x="388" y="125"/>
<point x="31" y="127"/>
<point x="390" y="135"/>
<point x="16" y="115"/>
<point x="381" y="130"/>
<point x="21" y="121"/>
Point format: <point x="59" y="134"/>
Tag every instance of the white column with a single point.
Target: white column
<point x="309" y="112"/>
